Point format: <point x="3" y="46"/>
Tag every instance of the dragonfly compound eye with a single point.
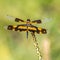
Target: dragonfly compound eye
<point x="43" y="31"/>
<point x="28" y="20"/>
<point x="10" y="27"/>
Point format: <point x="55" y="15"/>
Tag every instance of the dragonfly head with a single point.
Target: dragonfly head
<point x="28" y="21"/>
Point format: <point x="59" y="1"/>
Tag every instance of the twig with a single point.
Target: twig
<point x="36" y="46"/>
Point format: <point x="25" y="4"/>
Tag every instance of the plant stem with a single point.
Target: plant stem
<point x="36" y="46"/>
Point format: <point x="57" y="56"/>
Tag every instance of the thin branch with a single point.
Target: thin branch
<point x="36" y="46"/>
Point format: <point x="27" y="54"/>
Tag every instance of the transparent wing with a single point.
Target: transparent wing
<point x="46" y="19"/>
<point x="15" y="19"/>
<point x="10" y="17"/>
<point x="5" y="27"/>
<point x="46" y="23"/>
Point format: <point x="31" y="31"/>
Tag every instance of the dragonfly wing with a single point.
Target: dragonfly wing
<point x="11" y="27"/>
<point x="24" y="28"/>
<point x="33" y="28"/>
<point x="10" y="17"/>
<point x="15" y="19"/>
<point x="19" y="20"/>
<point x="46" y="19"/>
<point x="36" y="21"/>
<point x="42" y="30"/>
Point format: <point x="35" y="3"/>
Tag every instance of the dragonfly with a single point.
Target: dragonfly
<point x="27" y="26"/>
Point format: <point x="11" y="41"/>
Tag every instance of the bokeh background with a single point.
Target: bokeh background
<point x="14" y="45"/>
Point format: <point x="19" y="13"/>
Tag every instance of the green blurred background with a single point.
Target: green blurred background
<point x="14" y="45"/>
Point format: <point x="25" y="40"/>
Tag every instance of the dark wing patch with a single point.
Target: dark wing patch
<point x="10" y="27"/>
<point x="43" y="31"/>
<point x="19" y="20"/>
<point x="36" y="21"/>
